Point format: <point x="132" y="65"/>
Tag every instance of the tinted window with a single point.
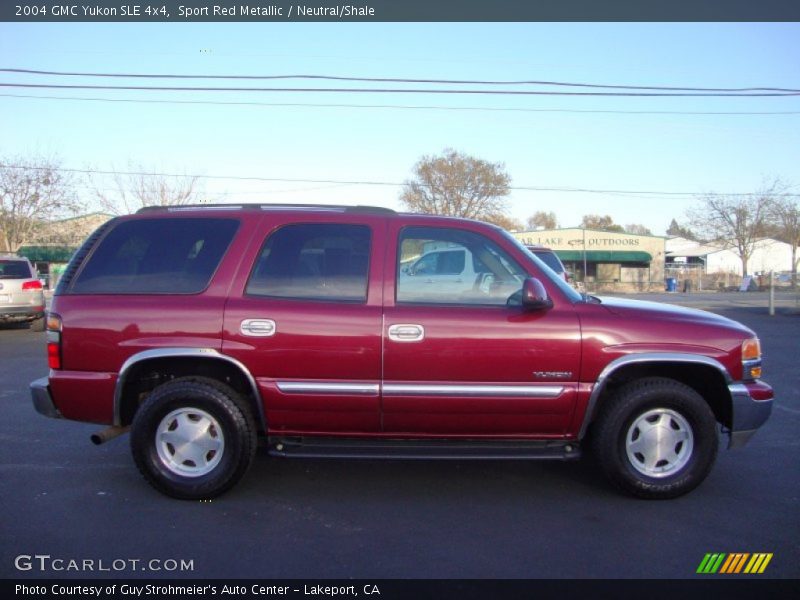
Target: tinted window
<point x="153" y="256"/>
<point x="14" y="269"/>
<point x="550" y="259"/>
<point x="314" y="262"/>
<point x="444" y="277"/>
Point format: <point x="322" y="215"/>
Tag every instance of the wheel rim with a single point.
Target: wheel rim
<point x="190" y="442"/>
<point x="659" y="442"/>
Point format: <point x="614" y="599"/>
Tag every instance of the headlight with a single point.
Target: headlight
<point x="751" y="359"/>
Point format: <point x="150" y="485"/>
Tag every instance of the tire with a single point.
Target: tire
<point x="656" y="438"/>
<point x="38" y="325"/>
<point x="223" y="438"/>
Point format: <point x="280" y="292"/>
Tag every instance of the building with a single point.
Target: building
<point x="713" y="259"/>
<point x="54" y="243"/>
<point x="604" y="260"/>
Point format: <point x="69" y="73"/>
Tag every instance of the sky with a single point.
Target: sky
<point x="308" y="152"/>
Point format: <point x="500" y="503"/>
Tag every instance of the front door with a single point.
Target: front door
<point x="466" y="363"/>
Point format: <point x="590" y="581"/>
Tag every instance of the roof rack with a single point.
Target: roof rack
<point x="374" y="210"/>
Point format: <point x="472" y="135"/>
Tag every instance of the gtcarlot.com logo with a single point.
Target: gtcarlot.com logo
<point x="735" y="563"/>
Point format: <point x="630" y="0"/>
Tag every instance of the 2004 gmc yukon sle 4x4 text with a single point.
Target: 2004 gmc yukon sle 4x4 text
<point x="203" y="329"/>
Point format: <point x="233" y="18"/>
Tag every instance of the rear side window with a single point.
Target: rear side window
<point x="314" y="261"/>
<point x="15" y="269"/>
<point x="157" y="256"/>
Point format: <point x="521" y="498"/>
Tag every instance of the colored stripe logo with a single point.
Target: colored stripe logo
<point x="734" y="563"/>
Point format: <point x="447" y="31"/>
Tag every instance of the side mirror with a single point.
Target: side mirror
<point x="534" y="296"/>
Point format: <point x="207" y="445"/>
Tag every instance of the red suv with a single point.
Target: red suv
<point x="205" y="329"/>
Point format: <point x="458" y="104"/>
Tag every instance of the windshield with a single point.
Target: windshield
<point x="568" y="290"/>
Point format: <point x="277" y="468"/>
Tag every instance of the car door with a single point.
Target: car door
<point x="305" y="318"/>
<point x="465" y="363"/>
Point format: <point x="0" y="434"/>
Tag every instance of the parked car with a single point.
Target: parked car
<point x="453" y="271"/>
<point x="205" y="329"/>
<point x="21" y="294"/>
<point x="551" y="259"/>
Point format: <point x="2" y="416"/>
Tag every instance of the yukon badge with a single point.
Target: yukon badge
<point x="552" y="374"/>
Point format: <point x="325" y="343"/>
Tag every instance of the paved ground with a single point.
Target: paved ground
<point x="63" y="497"/>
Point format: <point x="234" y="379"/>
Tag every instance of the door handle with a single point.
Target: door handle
<point x="406" y="332"/>
<point x="258" y="327"/>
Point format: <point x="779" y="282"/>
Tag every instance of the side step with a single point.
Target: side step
<point x="409" y="449"/>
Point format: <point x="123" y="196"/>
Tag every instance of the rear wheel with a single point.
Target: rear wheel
<point x="193" y="438"/>
<point x="38" y="325"/>
<point x="656" y="438"/>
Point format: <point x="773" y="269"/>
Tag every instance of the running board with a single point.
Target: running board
<point x="308" y="447"/>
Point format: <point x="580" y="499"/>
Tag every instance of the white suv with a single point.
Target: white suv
<point x="21" y="295"/>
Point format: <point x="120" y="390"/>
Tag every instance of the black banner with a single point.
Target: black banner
<point x="398" y="10"/>
<point x="396" y="589"/>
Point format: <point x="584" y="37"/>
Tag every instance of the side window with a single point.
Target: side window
<point x="313" y="261"/>
<point x="157" y="256"/>
<point x="493" y="277"/>
<point x="452" y="263"/>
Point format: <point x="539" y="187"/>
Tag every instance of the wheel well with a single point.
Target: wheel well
<point x="705" y="380"/>
<point x="146" y="375"/>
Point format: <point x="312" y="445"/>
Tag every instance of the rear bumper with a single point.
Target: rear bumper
<point x="752" y="405"/>
<point x="42" y="400"/>
<point x="21" y="313"/>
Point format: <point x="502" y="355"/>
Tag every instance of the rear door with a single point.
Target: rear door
<point x="465" y="363"/>
<point x="304" y="316"/>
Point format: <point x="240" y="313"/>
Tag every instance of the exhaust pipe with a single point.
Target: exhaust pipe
<point x="101" y="437"/>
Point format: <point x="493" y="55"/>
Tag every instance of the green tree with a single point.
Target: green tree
<point x="677" y="230"/>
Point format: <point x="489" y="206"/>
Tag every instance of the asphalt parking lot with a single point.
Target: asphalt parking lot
<point x="63" y="497"/>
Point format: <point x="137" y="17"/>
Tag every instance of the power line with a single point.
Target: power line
<point x="376" y="183"/>
<point x="406" y="107"/>
<point x="393" y="80"/>
<point x="396" y="91"/>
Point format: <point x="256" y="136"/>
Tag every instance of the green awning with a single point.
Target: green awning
<point x="605" y="256"/>
<point x="60" y="254"/>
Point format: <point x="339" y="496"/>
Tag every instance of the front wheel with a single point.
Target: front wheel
<point x="656" y="438"/>
<point x="193" y="438"/>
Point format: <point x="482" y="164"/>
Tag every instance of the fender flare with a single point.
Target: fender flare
<point x="644" y="358"/>
<point x="197" y="353"/>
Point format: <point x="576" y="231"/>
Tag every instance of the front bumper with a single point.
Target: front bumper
<point x="42" y="400"/>
<point x="752" y="405"/>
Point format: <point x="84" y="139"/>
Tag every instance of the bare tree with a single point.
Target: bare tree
<point x="543" y="220"/>
<point x="457" y="185"/>
<point x="736" y="222"/>
<point x="32" y="190"/>
<point x="602" y="223"/>
<point x="637" y="229"/>
<point x="137" y="187"/>
<point x="785" y="216"/>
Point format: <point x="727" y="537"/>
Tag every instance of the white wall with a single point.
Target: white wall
<point x="769" y="255"/>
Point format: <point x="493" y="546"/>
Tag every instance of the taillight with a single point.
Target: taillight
<point x="54" y="327"/>
<point x="32" y="285"/>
